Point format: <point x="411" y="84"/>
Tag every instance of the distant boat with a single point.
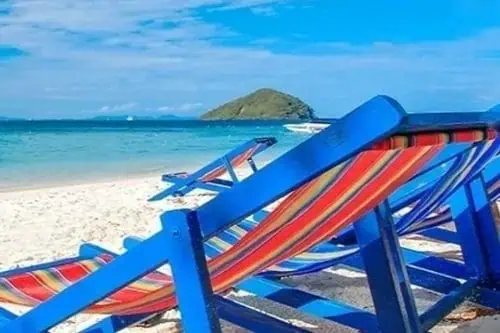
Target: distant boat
<point x="307" y="128"/>
<point x="130" y="118"/>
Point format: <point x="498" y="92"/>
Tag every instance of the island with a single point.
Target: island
<point x="262" y="104"/>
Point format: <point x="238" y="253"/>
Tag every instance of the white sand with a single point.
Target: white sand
<point x="50" y="223"/>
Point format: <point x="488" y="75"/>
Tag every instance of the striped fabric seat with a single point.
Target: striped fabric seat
<point x="422" y="215"/>
<point x="306" y="218"/>
<point x="464" y="168"/>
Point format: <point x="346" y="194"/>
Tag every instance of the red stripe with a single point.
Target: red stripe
<point x="356" y="169"/>
<point x="73" y="272"/>
<point x="435" y="138"/>
<point x="30" y="286"/>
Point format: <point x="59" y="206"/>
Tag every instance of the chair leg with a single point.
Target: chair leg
<point x="190" y="273"/>
<point x="478" y="232"/>
<point x="252" y="164"/>
<point x="230" y="169"/>
<point x="387" y="276"/>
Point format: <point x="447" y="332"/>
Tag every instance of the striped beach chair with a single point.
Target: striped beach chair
<point x="208" y="177"/>
<point x="341" y="176"/>
<point x="403" y="198"/>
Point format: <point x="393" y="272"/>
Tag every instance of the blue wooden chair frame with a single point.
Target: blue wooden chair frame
<point x="182" y="185"/>
<point x="491" y="176"/>
<point x="183" y="232"/>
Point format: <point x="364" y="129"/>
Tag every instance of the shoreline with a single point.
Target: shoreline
<point x="241" y="171"/>
<point x="63" y="183"/>
<point x="92" y="178"/>
<point x="104" y="178"/>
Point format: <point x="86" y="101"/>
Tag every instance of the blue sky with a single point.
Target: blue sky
<point x="66" y="58"/>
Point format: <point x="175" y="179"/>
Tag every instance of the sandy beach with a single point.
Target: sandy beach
<point x="49" y="223"/>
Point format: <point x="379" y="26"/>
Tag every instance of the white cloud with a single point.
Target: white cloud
<point x="184" y="107"/>
<point x="235" y="4"/>
<point x="118" y="107"/>
<point x="165" y="108"/>
<point x="190" y="107"/>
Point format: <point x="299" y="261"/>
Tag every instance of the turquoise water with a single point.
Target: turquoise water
<point x="39" y="152"/>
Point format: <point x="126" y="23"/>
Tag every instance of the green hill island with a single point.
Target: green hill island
<point x="262" y="104"/>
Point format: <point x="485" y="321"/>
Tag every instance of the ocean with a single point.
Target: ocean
<point x="37" y="153"/>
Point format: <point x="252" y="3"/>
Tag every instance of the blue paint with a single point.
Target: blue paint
<point x="311" y="304"/>
<point x="192" y="281"/>
<point x="226" y="309"/>
<point x="252" y="320"/>
<point x="386" y="272"/>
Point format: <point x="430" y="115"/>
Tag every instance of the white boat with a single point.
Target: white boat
<point x="130" y="118"/>
<point x="309" y="128"/>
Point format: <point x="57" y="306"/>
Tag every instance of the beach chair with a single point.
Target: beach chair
<point x="355" y="166"/>
<point x="327" y="256"/>
<point x="208" y="177"/>
<point x="407" y="195"/>
<point x="467" y="163"/>
<point x="403" y="198"/>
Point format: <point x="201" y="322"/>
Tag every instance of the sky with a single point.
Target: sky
<point x="76" y="59"/>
